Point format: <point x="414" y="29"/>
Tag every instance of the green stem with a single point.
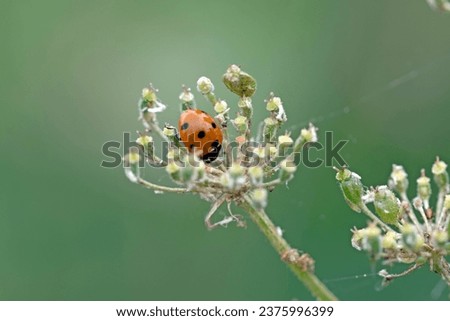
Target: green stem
<point x="308" y="278"/>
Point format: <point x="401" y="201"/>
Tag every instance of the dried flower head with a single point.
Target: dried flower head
<point x="235" y="176"/>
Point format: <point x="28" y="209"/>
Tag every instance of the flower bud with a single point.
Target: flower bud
<point x="234" y="178"/>
<point x="144" y="140"/>
<point x="371" y="241"/>
<point x="309" y="134"/>
<point x="187" y="99"/>
<point x="236" y="170"/>
<point x="169" y="131"/>
<point x="287" y="170"/>
<point x="284" y="142"/>
<point x="186" y="95"/>
<point x="220" y="106"/>
<point x="239" y="82"/>
<point x="149" y="94"/>
<point x="270" y="129"/>
<point x="387" y="205"/>
<point x="149" y="104"/>
<point x="133" y="157"/>
<point x="447" y="202"/>
<point x="352" y="188"/>
<point x="259" y="197"/>
<point x="188" y="172"/>
<point x="440" y="238"/>
<point x="439" y="169"/>
<point x="423" y="187"/>
<point x="410" y="238"/>
<point x="132" y="169"/>
<point x="357" y="238"/>
<point x="200" y="170"/>
<point x="389" y="241"/>
<point x="273" y="152"/>
<point x="399" y="179"/>
<point x="273" y="103"/>
<point x="240" y="123"/>
<point x="245" y="104"/>
<point x="256" y="175"/>
<point x="174" y="171"/>
<point x="204" y="85"/>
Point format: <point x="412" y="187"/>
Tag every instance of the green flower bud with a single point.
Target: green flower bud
<point x="270" y="129"/>
<point x="399" y="179"/>
<point x="439" y="169"/>
<point x="174" y="171"/>
<point x="352" y="188"/>
<point x="387" y="206"/>
<point x="239" y="82"/>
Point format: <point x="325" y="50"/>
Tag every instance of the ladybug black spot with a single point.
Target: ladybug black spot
<point x="213" y="125"/>
<point x="191" y="146"/>
<point x="213" y="152"/>
<point x="184" y="126"/>
<point x="201" y="134"/>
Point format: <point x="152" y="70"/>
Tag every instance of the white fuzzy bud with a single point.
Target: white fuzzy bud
<point x="204" y="85"/>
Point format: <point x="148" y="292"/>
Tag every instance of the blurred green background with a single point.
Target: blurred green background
<point x="374" y="72"/>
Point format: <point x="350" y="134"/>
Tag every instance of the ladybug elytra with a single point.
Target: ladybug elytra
<point x="200" y="134"/>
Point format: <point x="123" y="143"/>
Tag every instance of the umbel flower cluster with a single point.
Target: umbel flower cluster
<point x="243" y="169"/>
<point x="402" y="230"/>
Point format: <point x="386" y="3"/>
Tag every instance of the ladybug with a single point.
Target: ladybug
<point x="200" y="134"/>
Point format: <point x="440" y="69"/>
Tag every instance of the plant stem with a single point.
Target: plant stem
<point x="307" y="277"/>
<point x="160" y="188"/>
